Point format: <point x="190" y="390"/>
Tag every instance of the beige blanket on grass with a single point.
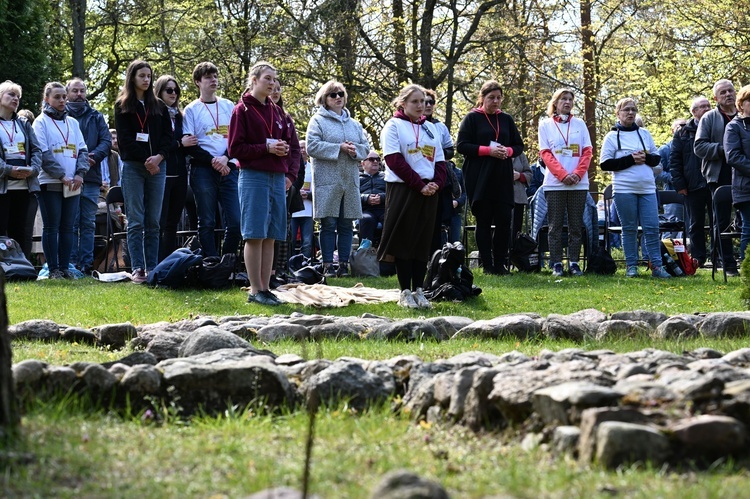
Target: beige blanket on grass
<point x="322" y="295"/>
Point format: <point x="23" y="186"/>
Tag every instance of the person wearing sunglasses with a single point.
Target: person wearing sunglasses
<point x="336" y="143"/>
<point x="372" y="195"/>
<point x="175" y="188"/>
<point x="628" y="151"/>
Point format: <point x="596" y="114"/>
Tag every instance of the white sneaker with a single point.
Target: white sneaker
<point x="421" y="299"/>
<point x="406" y="299"/>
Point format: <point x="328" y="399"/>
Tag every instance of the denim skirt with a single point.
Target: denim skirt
<point x="262" y="205"/>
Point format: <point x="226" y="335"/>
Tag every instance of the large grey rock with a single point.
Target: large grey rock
<point x="115" y="335"/>
<point x="623" y="443"/>
<point x="590" y="421"/>
<point x="310" y="320"/>
<point x="472" y="358"/>
<point x="710" y="437"/>
<point x="739" y="357"/>
<point x="676" y="328"/>
<point x="78" y="335"/>
<point x="133" y="359"/>
<point x="208" y="339"/>
<point x="653" y="318"/>
<point x="563" y="403"/>
<point x="564" y="327"/>
<point x="402" y="484"/>
<point x="36" y="329"/>
<point x="620" y="329"/>
<point x="285" y="331"/>
<point x="333" y="331"/>
<point x="421" y="399"/>
<point x="444" y="329"/>
<point x="407" y="329"/>
<point x="166" y="345"/>
<point x="28" y="373"/>
<point x="462" y="383"/>
<point x="565" y="440"/>
<point x="61" y="379"/>
<point x="214" y="379"/>
<point x="478" y="412"/>
<point x="726" y="325"/>
<point x="345" y="381"/>
<point x="98" y="378"/>
<point x="591" y="315"/>
<point x="143" y="379"/>
<point x="520" y="326"/>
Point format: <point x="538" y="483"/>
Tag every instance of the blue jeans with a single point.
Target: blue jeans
<point x="457" y="221"/>
<point x="143" y="195"/>
<point x="745" y="236"/>
<point x="85" y="226"/>
<point x="305" y="227"/>
<point x="633" y="208"/>
<point x="58" y="216"/>
<point x="329" y="227"/>
<point x="209" y="187"/>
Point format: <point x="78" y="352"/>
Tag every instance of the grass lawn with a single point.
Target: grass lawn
<point x="81" y="452"/>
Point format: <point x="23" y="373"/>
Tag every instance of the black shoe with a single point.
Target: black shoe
<point x="343" y="270"/>
<point x="732" y="272"/>
<point x="268" y="298"/>
<point x="502" y="270"/>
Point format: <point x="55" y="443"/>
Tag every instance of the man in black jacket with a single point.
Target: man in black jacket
<point x="99" y="143"/>
<point x="372" y="195"/>
<point x="688" y="179"/>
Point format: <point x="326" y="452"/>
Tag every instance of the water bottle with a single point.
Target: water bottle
<point x="458" y="272"/>
<point x="366" y="243"/>
<point x="672" y="266"/>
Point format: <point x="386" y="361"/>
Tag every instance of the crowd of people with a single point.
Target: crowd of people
<point x="256" y="183"/>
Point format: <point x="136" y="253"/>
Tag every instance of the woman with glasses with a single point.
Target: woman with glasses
<point x="630" y="153"/>
<point x="415" y="173"/>
<point x="489" y="140"/>
<point x="336" y="143"/>
<point x="20" y="166"/>
<point x="175" y="187"/>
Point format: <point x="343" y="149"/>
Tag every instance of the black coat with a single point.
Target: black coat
<point x="737" y="150"/>
<point x="158" y="127"/>
<point x="488" y="179"/>
<point x="684" y="165"/>
<point x="372" y="184"/>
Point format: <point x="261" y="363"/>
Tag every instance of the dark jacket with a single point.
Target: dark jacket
<point x="458" y="210"/>
<point x="709" y="144"/>
<point x="158" y="127"/>
<point x="33" y="158"/>
<point x="372" y="184"/>
<point x="737" y="150"/>
<point x="176" y="160"/>
<point x="488" y="179"/>
<point x="684" y="164"/>
<point x="97" y="137"/>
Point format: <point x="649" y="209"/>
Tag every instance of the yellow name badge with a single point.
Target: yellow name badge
<point x="224" y="130"/>
<point x="22" y="147"/>
<point x="70" y="151"/>
<point x="412" y="148"/>
<point x="575" y="150"/>
<point x="428" y="152"/>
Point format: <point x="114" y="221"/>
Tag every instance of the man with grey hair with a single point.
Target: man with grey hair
<point x="99" y="143"/>
<point x="709" y="146"/>
<point x="688" y="180"/>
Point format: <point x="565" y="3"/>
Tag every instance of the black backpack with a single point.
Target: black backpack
<point x="174" y="271"/>
<point x="524" y="255"/>
<point x="215" y="272"/>
<point x="448" y="279"/>
<point x="14" y="262"/>
<point x="600" y="262"/>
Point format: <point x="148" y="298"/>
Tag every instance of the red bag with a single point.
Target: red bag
<point x="688" y="264"/>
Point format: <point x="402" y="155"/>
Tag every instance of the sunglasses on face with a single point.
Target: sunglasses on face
<point x="374" y="159"/>
<point x="171" y="91"/>
<point x="429" y="102"/>
<point x="333" y="95"/>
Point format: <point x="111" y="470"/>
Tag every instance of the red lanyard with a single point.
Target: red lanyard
<point x="216" y="121"/>
<point x="269" y="127"/>
<point x="12" y="129"/>
<point x="565" y="137"/>
<point x="143" y="122"/>
<point x="67" y="130"/>
<point x="496" y="130"/>
<point x="416" y="132"/>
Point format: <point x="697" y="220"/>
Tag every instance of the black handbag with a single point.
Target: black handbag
<point x="14" y="262"/>
<point x="524" y="255"/>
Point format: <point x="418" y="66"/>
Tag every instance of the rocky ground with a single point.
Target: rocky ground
<point x="602" y="406"/>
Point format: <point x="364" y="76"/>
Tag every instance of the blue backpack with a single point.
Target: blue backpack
<point x="172" y="272"/>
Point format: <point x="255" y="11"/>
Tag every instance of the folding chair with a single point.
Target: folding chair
<point x="114" y="237"/>
<point x="672" y="197"/>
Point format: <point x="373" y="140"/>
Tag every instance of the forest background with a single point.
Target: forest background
<point x="661" y="53"/>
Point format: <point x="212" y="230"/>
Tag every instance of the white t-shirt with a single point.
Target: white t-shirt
<point x="14" y="146"/>
<point x="63" y="139"/>
<point x="210" y="123"/>
<point x="307" y="185"/>
<point x="420" y="145"/>
<point x="637" y="179"/>
<point x="567" y="142"/>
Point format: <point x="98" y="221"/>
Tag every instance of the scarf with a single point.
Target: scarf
<point x="54" y="113"/>
<point x="77" y="109"/>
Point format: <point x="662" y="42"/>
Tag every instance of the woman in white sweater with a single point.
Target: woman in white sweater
<point x="565" y="147"/>
<point x="64" y="163"/>
<point x="629" y="151"/>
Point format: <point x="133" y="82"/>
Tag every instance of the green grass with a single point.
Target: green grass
<point x="81" y="452"/>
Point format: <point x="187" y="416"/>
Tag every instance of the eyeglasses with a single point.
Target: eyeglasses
<point x="333" y="95"/>
<point x="629" y="109"/>
<point x="429" y="102"/>
<point x="374" y="159"/>
<point x="171" y="90"/>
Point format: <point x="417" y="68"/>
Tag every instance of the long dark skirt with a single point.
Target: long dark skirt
<point x="408" y="224"/>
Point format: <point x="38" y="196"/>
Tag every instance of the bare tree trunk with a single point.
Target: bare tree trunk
<point x="589" y="84"/>
<point x="78" y="14"/>
<point x="9" y="417"/>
